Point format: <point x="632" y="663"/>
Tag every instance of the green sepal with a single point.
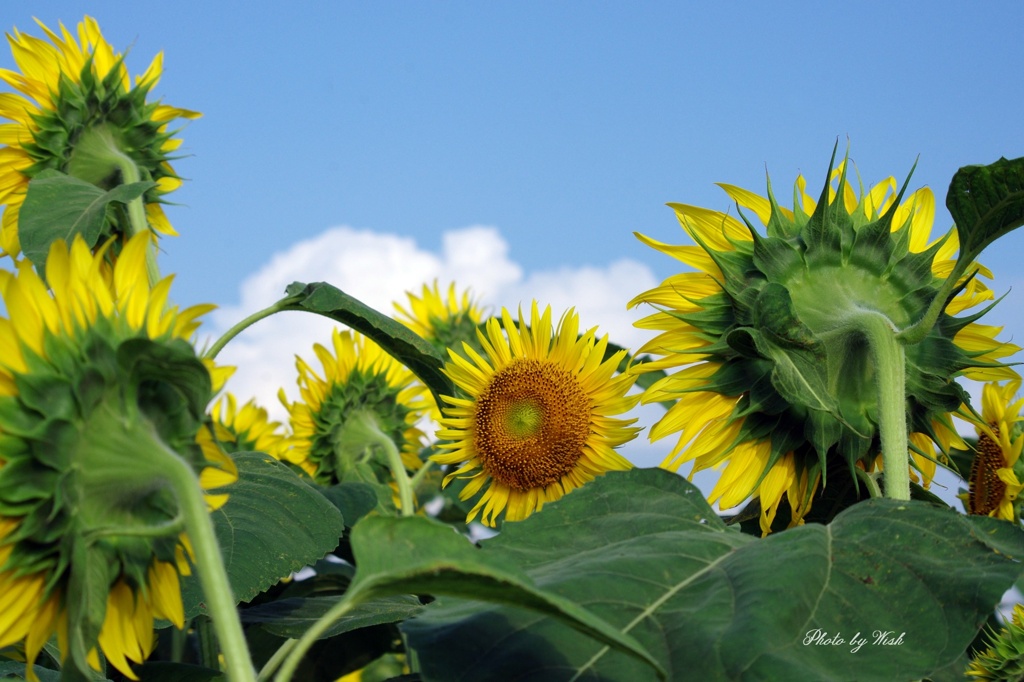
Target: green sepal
<point x="394" y="337"/>
<point x="46" y="393"/>
<point x="59" y="206"/>
<point x="775" y="318"/>
<point x="823" y="232"/>
<point x="779" y="226"/>
<point x="170" y="385"/>
<point x="15" y="421"/>
<point x="986" y="202"/>
<point x="822" y="431"/>
<point x="798" y="375"/>
<point x="872" y="245"/>
<point x="914" y="276"/>
<point x="89" y="582"/>
<point x="713" y="318"/>
<point x="776" y="257"/>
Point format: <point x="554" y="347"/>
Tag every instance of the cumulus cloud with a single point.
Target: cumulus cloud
<point x="379" y="268"/>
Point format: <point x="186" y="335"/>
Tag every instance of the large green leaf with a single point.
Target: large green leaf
<point x="59" y="206"/>
<point x="292" y="617"/>
<point x="394" y="337"/>
<point x="416" y="555"/>
<point x="272" y="525"/>
<point x="986" y="202"/>
<point x="643" y="550"/>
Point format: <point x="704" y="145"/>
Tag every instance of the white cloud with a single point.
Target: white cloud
<point x="379" y="268"/>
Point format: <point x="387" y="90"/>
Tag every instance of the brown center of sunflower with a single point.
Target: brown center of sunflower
<point x="986" y="488"/>
<point x="532" y="421"/>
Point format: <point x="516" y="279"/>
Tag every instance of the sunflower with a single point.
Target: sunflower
<point x="446" y="322"/>
<point x="997" y="471"/>
<point x="247" y="428"/>
<point x="357" y="376"/>
<point x="1003" y="659"/>
<point x="766" y="383"/>
<point x="538" y="420"/>
<point x="99" y="389"/>
<point x="76" y="111"/>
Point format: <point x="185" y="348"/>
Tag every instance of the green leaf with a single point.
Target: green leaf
<point x="59" y="206"/>
<point x="272" y="525"/>
<point x="422" y="556"/>
<point x="986" y="202"/>
<point x="394" y="337"/>
<point x="643" y="550"/>
<point x="12" y="670"/>
<point x="292" y="617"/>
<point x="353" y="499"/>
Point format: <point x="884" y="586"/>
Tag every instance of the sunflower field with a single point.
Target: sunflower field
<point x="447" y="500"/>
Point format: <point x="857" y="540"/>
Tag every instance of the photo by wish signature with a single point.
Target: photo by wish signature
<point x="819" y="637"/>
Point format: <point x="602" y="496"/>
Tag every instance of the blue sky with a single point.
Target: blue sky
<point x="559" y="127"/>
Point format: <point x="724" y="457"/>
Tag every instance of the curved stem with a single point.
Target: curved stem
<point x="302" y="645"/>
<point x="869" y="482"/>
<point x="137" y="211"/>
<point x="398" y="473"/>
<point x="244" y="324"/>
<point x="160" y="530"/>
<point x="421" y="473"/>
<point x="363" y="426"/>
<point x="917" y="332"/>
<point x="276" y="659"/>
<point x="212" y="575"/>
<point x="891" y="376"/>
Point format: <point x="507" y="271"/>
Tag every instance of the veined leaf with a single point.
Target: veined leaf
<point x="394" y="337"/>
<point x="416" y="555"/>
<point x="643" y="550"/>
<point x="292" y="617"/>
<point x="59" y="206"/>
<point x="272" y="525"/>
<point x="986" y="202"/>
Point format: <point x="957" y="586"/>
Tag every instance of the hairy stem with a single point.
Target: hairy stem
<point x="363" y="427"/>
<point x="244" y="324"/>
<point x="137" y="211"/>
<point x="891" y="376"/>
<point x="213" y="576"/>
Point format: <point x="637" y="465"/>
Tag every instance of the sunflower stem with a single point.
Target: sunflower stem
<point x="275" y="660"/>
<point x="213" y="577"/>
<point x="244" y="324"/>
<point x="137" y="220"/>
<point x="917" y="332"/>
<point x="160" y="530"/>
<point x="869" y="482"/>
<point x="363" y="428"/>
<point x="420" y="474"/>
<point x="310" y="636"/>
<point x="891" y="376"/>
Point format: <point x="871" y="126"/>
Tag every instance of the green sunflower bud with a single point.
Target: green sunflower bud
<point x="1003" y="660"/>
